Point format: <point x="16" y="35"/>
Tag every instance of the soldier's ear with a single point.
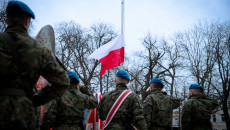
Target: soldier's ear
<point x="6" y="20"/>
<point x="151" y="87"/>
<point x="115" y="80"/>
<point x="191" y="92"/>
<point x="27" y="24"/>
<point x="127" y="82"/>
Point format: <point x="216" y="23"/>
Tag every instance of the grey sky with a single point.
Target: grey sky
<point x="159" y="17"/>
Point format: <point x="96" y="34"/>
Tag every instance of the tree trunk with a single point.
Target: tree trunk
<point x="101" y="89"/>
<point x="225" y="109"/>
<point x="107" y="86"/>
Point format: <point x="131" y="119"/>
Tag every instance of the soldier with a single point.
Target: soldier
<point x="130" y="112"/>
<point x="22" y="62"/>
<point x="67" y="112"/>
<point x="158" y="107"/>
<point x="197" y="110"/>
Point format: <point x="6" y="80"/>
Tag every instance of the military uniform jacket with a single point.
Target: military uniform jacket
<point x="197" y="112"/>
<point x="22" y="72"/>
<point x="131" y="108"/>
<point x="158" y="109"/>
<point x="67" y="112"/>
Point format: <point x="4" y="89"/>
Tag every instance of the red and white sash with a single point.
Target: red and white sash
<point x="116" y="106"/>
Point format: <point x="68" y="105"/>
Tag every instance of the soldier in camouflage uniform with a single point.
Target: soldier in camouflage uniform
<point x="130" y="111"/>
<point x="22" y="62"/>
<point x="67" y="112"/>
<point x="197" y="110"/>
<point x="158" y="107"/>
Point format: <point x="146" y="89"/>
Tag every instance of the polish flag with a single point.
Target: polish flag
<point x="93" y="122"/>
<point x="111" y="54"/>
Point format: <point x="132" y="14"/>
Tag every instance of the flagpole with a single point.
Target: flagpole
<point x="122" y="16"/>
<point x="122" y="24"/>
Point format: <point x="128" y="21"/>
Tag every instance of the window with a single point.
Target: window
<point x="213" y="118"/>
<point x="222" y="117"/>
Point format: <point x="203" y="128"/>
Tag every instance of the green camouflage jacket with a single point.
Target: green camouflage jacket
<point x="21" y="73"/>
<point x="158" y="109"/>
<point x="67" y="112"/>
<point x="197" y="112"/>
<point x="131" y="108"/>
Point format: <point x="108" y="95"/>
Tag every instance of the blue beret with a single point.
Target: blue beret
<point x="196" y="86"/>
<point x="123" y="74"/>
<point x="71" y="73"/>
<point x="22" y="6"/>
<point x="156" y="80"/>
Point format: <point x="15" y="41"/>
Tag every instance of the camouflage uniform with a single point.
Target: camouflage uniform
<point x="197" y="112"/>
<point x="67" y="112"/>
<point x="19" y="74"/>
<point x="158" y="109"/>
<point x="131" y="109"/>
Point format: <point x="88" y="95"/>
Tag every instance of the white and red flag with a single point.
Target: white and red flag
<point x="93" y="122"/>
<point x="111" y="54"/>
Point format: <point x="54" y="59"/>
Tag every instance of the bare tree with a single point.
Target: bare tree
<point x="75" y="44"/>
<point x="198" y="48"/>
<point x="172" y="65"/>
<point x="222" y="55"/>
<point x="207" y="50"/>
<point x="3" y="24"/>
<point x="158" y="60"/>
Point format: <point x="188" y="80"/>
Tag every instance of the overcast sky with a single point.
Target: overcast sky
<point x="159" y="17"/>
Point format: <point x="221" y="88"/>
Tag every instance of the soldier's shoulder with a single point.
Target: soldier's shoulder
<point x="155" y="96"/>
<point x="81" y="95"/>
<point x="3" y="45"/>
<point x="134" y="97"/>
<point x="150" y="96"/>
<point x="148" y="99"/>
<point x="190" y="102"/>
<point x="65" y="94"/>
<point x="35" y="45"/>
<point x="172" y="98"/>
<point x="107" y="94"/>
<point x="31" y="41"/>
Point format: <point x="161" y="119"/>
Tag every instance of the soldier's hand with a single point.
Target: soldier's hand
<point x="85" y="90"/>
<point x="79" y="85"/>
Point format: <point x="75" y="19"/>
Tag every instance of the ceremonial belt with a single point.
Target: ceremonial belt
<point x="12" y="92"/>
<point x="116" y="106"/>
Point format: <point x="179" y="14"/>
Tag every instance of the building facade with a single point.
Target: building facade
<point x="217" y="119"/>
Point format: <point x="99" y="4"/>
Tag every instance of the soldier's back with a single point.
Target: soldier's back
<point x="16" y="106"/>
<point x="22" y="62"/>
<point x="67" y="112"/>
<point x="72" y="105"/>
<point x="158" y="109"/>
<point x="198" y="109"/>
<point x="130" y="110"/>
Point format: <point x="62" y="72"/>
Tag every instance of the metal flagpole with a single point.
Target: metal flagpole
<point x="122" y="16"/>
<point x="122" y="24"/>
